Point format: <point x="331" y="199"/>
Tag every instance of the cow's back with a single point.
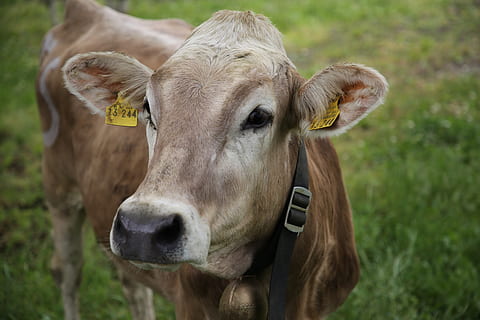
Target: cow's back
<point x="104" y="164"/>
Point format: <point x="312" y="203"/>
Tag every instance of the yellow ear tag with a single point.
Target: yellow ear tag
<point x="121" y="113"/>
<point x="328" y="119"/>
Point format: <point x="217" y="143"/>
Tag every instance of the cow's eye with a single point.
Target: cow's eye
<point x="146" y="105"/>
<point x="257" y="119"/>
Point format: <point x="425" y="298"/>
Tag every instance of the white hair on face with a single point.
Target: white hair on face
<point x="230" y="29"/>
<point x="230" y="35"/>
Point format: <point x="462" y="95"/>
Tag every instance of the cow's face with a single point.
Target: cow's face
<point x="219" y="166"/>
<point x="222" y="120"/>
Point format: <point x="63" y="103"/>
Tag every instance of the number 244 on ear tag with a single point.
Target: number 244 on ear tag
<point x="121" y="113"/>
<point x="328" y="119"/>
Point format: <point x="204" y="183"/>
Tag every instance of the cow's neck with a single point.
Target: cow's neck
<point x="279" y="249"/>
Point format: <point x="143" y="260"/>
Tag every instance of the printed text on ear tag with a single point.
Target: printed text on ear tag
<point x="328" y="118"/>
<point x="121" y="113"/>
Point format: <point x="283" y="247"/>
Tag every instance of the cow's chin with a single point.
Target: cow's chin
<point x="151" y="266"/>
<point x="227" y="264"/>
<point x="223" y="262"/>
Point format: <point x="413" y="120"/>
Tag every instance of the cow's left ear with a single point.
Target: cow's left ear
<point x="355" y="89"/>
<point x="99" y="78"/>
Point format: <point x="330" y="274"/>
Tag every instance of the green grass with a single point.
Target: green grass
<point x="411" y="168"/>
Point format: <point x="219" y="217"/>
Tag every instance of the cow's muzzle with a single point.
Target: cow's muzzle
<point x="159" y="233"/>
<point x="148" y="238"/>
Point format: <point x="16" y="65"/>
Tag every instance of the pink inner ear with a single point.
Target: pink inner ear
<point x="353" y="104"/>
<point x="95" y="78"/>
<point x="95" y="71"/>
<point x="350" y="92"/>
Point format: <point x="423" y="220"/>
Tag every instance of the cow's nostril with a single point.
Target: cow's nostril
<point x="169" y="231"/>
<point x="119" y="230"/>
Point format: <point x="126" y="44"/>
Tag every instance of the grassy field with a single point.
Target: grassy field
<point x="411" y="169"/>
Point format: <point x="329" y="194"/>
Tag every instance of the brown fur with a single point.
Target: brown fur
<point x="107" y="164"/>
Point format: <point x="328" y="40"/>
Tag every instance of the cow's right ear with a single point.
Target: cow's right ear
<point x="337" y="98"/>
<point x="97" y="78"/>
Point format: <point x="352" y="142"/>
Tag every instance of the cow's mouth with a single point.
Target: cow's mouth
<point x="151" y="266"/>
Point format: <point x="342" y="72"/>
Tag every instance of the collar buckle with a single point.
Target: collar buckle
<point x="297" y="209"/>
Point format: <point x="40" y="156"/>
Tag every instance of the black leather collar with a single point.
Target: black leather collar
<point x="279" y="249"/>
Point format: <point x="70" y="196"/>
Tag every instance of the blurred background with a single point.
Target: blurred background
<point x="411" y="168"/>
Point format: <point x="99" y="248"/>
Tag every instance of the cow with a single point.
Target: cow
<point x="186" y="196"/>
<point x="119" y="5"/>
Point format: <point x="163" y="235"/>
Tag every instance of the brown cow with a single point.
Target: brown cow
<point x="193" y="202"/>
<point x="119" y="5"/>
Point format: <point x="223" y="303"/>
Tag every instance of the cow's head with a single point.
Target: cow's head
<point x="223" y="118"/>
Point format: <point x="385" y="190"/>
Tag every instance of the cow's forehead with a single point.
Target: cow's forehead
<point x="208" y="98"/>
<point x="225" y="59"/>
<point x="228" y="29"/>
<point x="231" y="42"/>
